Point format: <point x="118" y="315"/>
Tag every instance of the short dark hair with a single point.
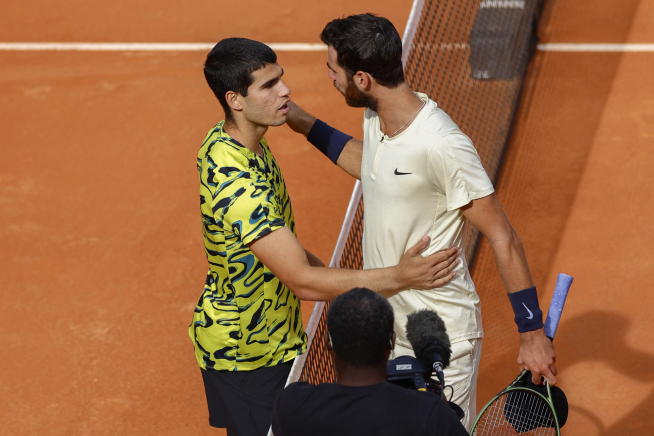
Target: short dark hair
<point x="360" y="323"/>
<point x="230" y="64"/>
<point x="367" y="43"/>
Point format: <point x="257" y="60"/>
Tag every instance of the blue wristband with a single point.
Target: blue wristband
<point x="528" y="315"/>
<point x="328" y="140"/>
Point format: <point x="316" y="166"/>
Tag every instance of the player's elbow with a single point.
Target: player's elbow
<point x="306" y="293"/>
<point x="514" y="240"/>
<point x="505" y="240"/>
<point x="300" y="292"/>
<point x="299" y="283"/>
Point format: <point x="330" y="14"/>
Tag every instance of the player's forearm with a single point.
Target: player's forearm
<point x="281" y="252"/>
<point x="325" y="284"/>
<point x="331" y="142"/>
<point x="339" y="147"/>
<point x="350" y="158"/>
<point x="536" y="352"/>
<point x="512" y="262"/>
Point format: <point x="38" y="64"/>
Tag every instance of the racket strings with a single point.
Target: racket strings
<point x="517" y="413"/>
<point x="527" y="411"/>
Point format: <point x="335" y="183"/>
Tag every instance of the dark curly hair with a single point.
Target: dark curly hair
<point x="367" y="43"/>
<point x="360" y="323"/>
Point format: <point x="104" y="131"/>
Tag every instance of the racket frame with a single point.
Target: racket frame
<point x="512" y="388"/>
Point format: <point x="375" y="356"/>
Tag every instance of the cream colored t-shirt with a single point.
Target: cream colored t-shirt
<point x="413" y="185"/>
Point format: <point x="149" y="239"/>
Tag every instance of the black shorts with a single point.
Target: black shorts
<point x="242" y="401"/>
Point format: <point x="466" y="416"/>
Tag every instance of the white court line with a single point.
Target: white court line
<point x="279" y="46"/>
<point x="596" y="47"/>
<point x="141" y="46"/>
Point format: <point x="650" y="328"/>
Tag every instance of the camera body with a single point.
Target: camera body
<point x="408" y="372"/>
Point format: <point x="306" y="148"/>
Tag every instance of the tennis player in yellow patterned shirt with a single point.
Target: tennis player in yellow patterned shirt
<point x="246" y="318"/>
<point x="247" y="326"/>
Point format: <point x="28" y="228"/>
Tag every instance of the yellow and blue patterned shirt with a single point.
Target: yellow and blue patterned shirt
<point x="246" y="318"/>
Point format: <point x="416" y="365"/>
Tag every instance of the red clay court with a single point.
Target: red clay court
<point x="102" y="258"/>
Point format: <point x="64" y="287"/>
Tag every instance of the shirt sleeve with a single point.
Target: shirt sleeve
<point x="456" y="170"/>
<point x="246" y="204"/>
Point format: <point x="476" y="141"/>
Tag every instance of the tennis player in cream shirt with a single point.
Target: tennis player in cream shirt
<point x="422" y="178"/>
<point x="414" y="184"/>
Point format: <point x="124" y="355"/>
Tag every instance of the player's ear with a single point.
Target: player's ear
<point x="392" y="344"/>
<point x="234" y="100"/>
<point x="363" y="81"/>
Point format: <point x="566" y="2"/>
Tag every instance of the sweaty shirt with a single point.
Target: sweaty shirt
<point x="413" y="185"/>
<point x="245" y="318"/>
<point x="330" y="409"/>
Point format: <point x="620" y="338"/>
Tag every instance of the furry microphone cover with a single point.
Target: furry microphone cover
<point x="424" y="330"/>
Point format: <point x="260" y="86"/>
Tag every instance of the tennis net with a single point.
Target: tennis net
<point x="470" y="56"/>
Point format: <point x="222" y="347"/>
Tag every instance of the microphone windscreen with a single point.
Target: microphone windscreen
<point x="426" y="330"/>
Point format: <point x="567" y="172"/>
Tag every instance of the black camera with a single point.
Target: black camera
<point x="410" y="373"/>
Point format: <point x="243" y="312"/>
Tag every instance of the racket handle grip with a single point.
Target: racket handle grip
<point x="556" y="307"/>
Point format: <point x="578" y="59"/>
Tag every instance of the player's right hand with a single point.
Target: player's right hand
<point x="538" y="356"/>
<point x="433" y="271"/>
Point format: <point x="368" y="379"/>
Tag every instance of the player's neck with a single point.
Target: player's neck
<point x="397" y="108"/>
<point x="247" y="134"/>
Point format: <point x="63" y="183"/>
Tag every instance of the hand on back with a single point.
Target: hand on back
<point x="429" y="272"/>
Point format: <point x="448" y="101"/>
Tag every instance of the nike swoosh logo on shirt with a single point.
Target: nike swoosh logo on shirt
<point x="400" y="174"/>
<point x="531" y="315"/>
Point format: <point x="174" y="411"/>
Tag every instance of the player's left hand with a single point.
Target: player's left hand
<point x="537" y="355"/>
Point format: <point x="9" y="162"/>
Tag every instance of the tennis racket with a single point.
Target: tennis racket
<point x="523" y="408"/>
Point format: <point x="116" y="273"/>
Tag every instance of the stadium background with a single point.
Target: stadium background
<point x="102" y="258"/>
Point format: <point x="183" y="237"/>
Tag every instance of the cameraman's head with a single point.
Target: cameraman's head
<point x="360" y="324"/>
